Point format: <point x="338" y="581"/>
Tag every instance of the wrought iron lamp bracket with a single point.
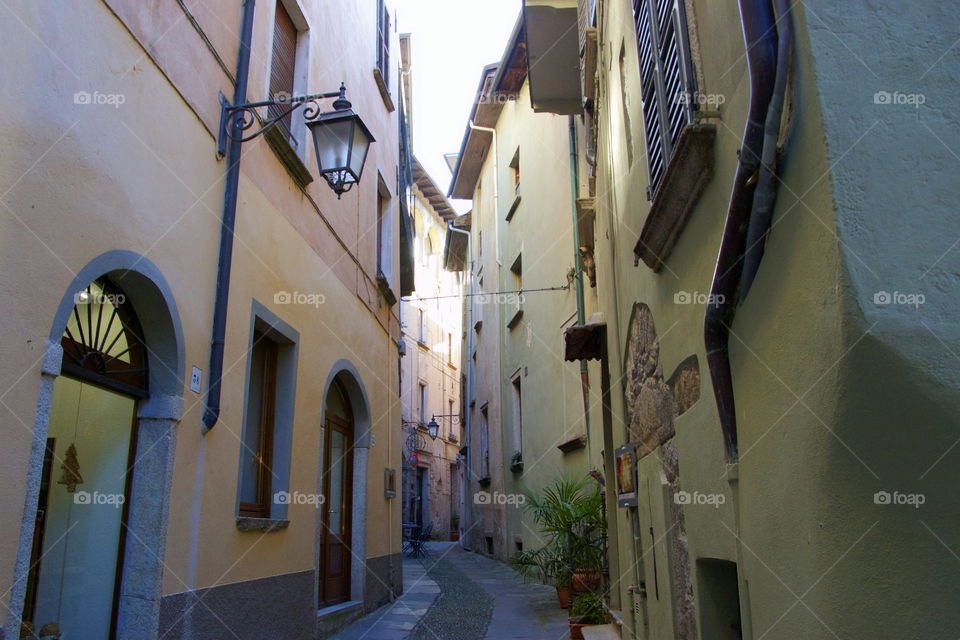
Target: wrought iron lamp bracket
<point x="236" y="119"/>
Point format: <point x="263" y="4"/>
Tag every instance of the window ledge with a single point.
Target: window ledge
<point x="689" y="171"/>
<point x="484" y="481"/>
<point x="262" y="525"/>
<point x="513" y="208"/>
<point x="515" y="319"/>
<point x="574" y="443"/>
<point x="423" y="345"/>
<point x="384" y="285"/>
<point x="288" y="156"/>
<point x="384" y="90"/>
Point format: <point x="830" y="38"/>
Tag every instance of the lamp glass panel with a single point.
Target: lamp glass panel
<point x="332" y="143"/>
<point x="361" y="144"/>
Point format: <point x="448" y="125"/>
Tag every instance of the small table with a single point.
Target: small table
<point x="412" y="544"/>
<point x="409" y="531"/>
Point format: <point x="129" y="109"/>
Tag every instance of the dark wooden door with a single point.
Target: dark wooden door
<point x="335" y="553"/>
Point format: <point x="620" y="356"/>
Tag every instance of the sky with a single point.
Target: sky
<point x="452" y="40"/>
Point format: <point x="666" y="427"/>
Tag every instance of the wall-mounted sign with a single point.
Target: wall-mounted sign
<point x="626" y="476"/>
<point x="195" y="377"/>
<point x="390" y="483"/>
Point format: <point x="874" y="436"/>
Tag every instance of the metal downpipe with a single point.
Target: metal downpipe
<point x="211" y="412"/>
<point x="760" y="38"/>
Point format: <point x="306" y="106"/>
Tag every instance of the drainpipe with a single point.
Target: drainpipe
<point x="577" y="267"/>
<point x="211" y="411"/>
<point x="766" y="194"/>
<point x="496" y="188"/>
<point x="760" y="38"/>
<point x="466" y="515"/>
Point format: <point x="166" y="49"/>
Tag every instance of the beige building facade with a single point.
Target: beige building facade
<point x="430" y="372"/>
<point x="776" y="475"/>
<point x="526" y="403"/>
<point x="128" y="514"/>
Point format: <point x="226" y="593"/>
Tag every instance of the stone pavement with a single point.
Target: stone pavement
<point x="394" y="621"/>
<point x="522" y="610"/>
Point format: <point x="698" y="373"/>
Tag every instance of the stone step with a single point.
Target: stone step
<point x="601" y="632"/>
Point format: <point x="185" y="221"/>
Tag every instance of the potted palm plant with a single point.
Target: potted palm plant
<point x="454" y="527"/>
<point x="569" y="514"/>
<point x="587" y="610"/>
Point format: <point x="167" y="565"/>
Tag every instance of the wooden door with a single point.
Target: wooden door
<point x="335" y="555"/>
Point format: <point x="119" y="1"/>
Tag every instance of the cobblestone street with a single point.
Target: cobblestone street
<point x="455" y="594"/>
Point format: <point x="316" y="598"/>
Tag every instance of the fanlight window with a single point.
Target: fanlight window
<point x="103" y="343"/>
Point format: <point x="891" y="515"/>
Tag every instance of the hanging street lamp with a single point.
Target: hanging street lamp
<point x="340" y="138"/>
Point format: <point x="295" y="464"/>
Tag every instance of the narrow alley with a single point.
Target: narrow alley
<point x="477" y="598"/>
<point x="479" y="320"/>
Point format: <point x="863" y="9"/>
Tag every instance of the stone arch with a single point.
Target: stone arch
<point x="345" y="373"/>
<point x="157" y="416"/>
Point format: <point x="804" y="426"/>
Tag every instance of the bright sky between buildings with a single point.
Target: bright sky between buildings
<point x="452" y="40"/>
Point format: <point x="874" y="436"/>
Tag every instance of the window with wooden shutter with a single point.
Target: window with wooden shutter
<point x="666" y="80"/>
<point x="383" y="42"/>
<point x="282" y="65"/>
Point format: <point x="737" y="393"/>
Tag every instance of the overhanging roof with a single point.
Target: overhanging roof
<point x="499" y="83"/>
<point x="473" y="149"/>
<point x="431" y="192"/>
<point x="553" y="45"/>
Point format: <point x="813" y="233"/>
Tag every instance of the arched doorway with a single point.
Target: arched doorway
<point x="80" y="521"/>
<point x="337" y="476"/>
<point x="131" y="398"/>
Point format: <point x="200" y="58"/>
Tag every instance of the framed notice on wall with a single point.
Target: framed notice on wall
<point x="626" y="476"/>
<point x="390" y="483"/>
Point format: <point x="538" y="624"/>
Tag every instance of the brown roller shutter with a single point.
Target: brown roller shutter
<point x="284" y="59"/>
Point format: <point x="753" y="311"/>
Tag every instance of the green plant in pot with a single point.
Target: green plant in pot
<point x="587" y="610"/>
<point x="455" y="527"/>
<point x="569" y="514"/>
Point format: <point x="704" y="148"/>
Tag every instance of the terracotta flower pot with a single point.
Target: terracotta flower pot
<point x="454" y="536"/>
<point x="585" y="581"/>
<point x="576" y="632"/>
<point x="563" y="595"/>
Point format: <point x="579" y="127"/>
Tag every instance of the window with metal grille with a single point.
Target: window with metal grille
<point x="666" y="80"/>
<point x="282" y="65"/>
<point x="383" y="42"/>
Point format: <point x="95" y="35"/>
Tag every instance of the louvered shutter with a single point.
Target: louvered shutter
<point x="665" y="80"/>
<point x="383" y="41"/>
<point x="282" y="65"/>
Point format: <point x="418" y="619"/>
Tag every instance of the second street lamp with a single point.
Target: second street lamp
<point x="433" y="428"/>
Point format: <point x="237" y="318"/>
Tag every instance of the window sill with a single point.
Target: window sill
<point x="515" y="319"/>
<point x="385" y="289"/>
<point x="384" y="90"/>
<point x="484" y="482"/>
<point x="288" y="156"/>
<point x="688" y="173"/>
<point x="574" y="443"/>
<point x="261" y="525"/>
<point x="423" y="345"/>
<point x="513" y="208"/>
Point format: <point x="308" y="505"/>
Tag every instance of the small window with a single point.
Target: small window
<point x="381" y="213"/>
<point x="422" y="327"/>
<point x="666" y="80"/>
<point x="719" y="599"/>
<point x="258" y="433"/>
<point x="449" y="348"/>
<point x="424" y="419"/>
<point x="282" y="66"/>
<point x="453" y="420"/>
<point x="515" y="168"/>
<point x="383" y="42"/>
<point x="484" y="443"/>
<point x="517" y="414"/>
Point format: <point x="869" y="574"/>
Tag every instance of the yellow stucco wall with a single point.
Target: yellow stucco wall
<point x="84" y="179"/>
